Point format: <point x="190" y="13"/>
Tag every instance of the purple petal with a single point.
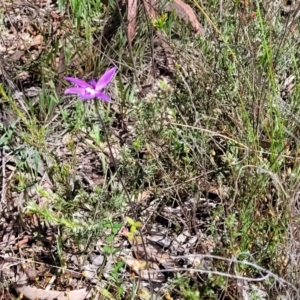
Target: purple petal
<point x="103" y="96"/>
<point x="100" y="95"/>
<point x="78" y="82"/>
<point x="92" y="83"/>
<point x="75" y="90"/>
<point x="105" y="79"/>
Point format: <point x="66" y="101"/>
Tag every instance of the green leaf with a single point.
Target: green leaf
<point x="107" y="249"/>
<point x="133" y="229"/>
<point x="138" y="224"/>
<point x="129" y="221"/>
<point x="110" y="239"/>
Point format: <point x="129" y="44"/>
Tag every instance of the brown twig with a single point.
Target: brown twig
<point x="3" y="190"/>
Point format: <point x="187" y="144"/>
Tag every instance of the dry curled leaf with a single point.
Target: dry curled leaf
<point x="37" y="41"/>
<point x="150" y="251"/>
<point x="142" y="196"/>
<point x="32" y="293"/>
<point x="145" y="270"/>
<point x="17" y="55"/>
<point x="131" y="19"/>
<point x="151" y="8"/>
<point x="144" y="294"/>
<point x="186" y="13"/>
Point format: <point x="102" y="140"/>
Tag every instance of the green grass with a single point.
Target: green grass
<point x="217" y="122"/>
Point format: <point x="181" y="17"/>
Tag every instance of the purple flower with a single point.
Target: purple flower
<point x="91" y="89"/>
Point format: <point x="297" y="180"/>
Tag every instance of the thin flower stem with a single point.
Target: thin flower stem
<point x="111" y="154"/>
<point x="132" y="206"/>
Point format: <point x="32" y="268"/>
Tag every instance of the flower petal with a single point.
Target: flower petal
<point x="78" y="82"/>
<point x="99" y="95"/>
<point x="92" y="83"/>
<point x="75" y="90"/>
<point x="103" y="96"/>
<point x="105" y="79"/>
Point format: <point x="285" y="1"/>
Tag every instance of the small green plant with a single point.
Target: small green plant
<point x="187" y="290"/>
<point x="134" y="226"/>
<point x="160" y="22"/>
<point x="109" y="247"/>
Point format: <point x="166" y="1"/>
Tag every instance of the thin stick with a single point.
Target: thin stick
<point x="3" y="191"/>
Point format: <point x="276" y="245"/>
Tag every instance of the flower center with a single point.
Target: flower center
<point x="90" y="90"/>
